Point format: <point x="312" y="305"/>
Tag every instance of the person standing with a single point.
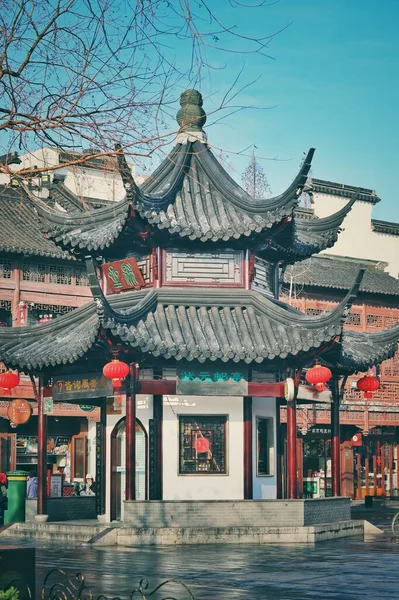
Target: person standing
<point x="3" y="496"/>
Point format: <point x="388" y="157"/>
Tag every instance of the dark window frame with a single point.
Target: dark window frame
<point x="212" y="421"/>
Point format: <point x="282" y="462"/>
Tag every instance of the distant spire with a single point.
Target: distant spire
<point x="191" y="116"/>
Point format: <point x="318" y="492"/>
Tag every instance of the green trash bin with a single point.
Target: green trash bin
<point x="16" y="495"/>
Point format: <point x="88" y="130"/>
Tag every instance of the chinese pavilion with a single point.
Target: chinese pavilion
<point x="185" y="274"/>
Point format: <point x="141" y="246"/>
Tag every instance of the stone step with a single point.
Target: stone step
<point x="52" y="531"/>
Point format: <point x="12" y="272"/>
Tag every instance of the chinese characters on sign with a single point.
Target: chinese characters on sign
<point x="123" y="275"/>
<point x="212" y="382"/>
<point x="19" y="411"/>
<point x="74" y="387"/>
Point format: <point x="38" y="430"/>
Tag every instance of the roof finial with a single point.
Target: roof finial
<point x="191" y="116"/>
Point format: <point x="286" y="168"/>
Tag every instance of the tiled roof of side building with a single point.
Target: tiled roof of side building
<point x="19" y="227"/>
<point x="337" y="273"/>
<point x="387" y="227"/>
<point x="322" y="186"/>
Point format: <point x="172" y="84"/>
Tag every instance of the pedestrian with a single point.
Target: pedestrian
<point x="31" y="489"/>
<point x="3" y="496"/>
<point x="89" y="487"/>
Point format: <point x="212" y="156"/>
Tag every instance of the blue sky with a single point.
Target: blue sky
<point x="334" y="84"/>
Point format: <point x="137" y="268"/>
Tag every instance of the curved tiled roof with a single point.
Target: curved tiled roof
<point x="20" y="228"/>
<point x="183" y="323"/>
<point x="190" y="194"/>
<point x="337" y="273"/>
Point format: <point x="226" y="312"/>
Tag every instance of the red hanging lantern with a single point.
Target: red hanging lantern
<point x="117" y="371"/>
<point x="9" y="380"/>
<point x="368" y="384"/>
<point x="318" y="376"/>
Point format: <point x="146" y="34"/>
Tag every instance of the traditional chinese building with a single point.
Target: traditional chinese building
<point x="314" y="286"/>
<point x="185" y="274"/>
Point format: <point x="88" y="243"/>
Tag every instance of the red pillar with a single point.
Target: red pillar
<point x="131" y="434"/>
<point x="279" y="450"/>
<point x="374" y="472"/>
<point x="397" y="466"/>
<point x="367" y="469"/>
<point x="248" y="466"/>
<point x="41" y="453"/>
<point x="291" y="450"/>
<point x="390" y="466"/>
<point x="335" y="439"/>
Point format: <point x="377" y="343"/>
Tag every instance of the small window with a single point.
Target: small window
<point x="202" y="447"/>
<point x="265" y="446"/>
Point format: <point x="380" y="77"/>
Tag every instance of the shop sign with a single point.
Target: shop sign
<point x="76" y="387"/>
<point x="87" y="408"/>
<point x="319" y="432"/>
<point x="48" y="406"/>
<point x="211" y="382"/>
<point x="19" y="411"/>
<point x="123" y="275"/>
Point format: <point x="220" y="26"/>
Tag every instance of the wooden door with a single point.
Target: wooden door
<point x="79" y="457"/>
<point x="8" y="452"/>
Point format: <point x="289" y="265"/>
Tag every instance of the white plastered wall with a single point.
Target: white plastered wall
<point x="203" y="487"/>
<point x="358" y="239"/>
<point x="264" y="487"/>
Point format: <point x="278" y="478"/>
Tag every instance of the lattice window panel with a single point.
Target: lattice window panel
<point x="5" y="304"/>
<point x="390" y="368"/>
<point x="314" y="312"/>
<point x="145" y="266"/>
<point x="375" y="321"/>
<point x="264" y="274"/>
<point x="202" y="444"/>
<point x="354" y="319"/>
<point x="34" y="272"/>
<point x="5" y="269"/>
<point x="390" y="321"/>
<point x="81" y="278"/>
<point x="204" y="268"/>
<point x="51" y="308"/>
<point x="60" y="274"/>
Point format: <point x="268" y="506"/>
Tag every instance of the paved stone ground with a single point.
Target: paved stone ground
<point x="347" y="569"/>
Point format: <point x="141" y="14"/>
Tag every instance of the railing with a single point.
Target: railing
<point x="61" y="585"/>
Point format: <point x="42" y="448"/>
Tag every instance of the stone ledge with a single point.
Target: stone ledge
<point x="172" y="536"/>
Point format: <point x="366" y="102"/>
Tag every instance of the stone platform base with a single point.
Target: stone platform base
<point x="118" y="535"/>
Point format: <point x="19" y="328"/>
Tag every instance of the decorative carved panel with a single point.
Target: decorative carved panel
<point x="204" y="268"/>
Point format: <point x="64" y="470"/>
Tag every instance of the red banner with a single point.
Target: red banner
<point x="123" y="275"/>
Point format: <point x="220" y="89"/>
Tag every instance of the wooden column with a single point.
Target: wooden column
<point x="382" y="456"/>
<point x="390" y="467"/>
<point x="279" y="450"/>
<point x="335" y="438"/>
<point x="100" y="459"/>
<point x="157" y="487"/>
<point x="359" y="475"/>
<point x="367" y="470"/>
<point x="248" y="448"/>
<point x="41" y="452"/>
<point x="291" y="450"/>
<point x="374" y="473"/>
<point x="397" y="466"/>
<point x="131" y="434"/>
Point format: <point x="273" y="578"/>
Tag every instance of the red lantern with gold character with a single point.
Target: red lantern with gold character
<point x="117" y="371"/>
<point x="318" y="376"/>
<point x="368" y="384"/>
<point x="9" y="380"/>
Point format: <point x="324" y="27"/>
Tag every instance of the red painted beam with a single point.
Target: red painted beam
<point x="167" y="387"/>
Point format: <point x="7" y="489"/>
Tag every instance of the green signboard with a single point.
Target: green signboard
<point x="212" y="381"/>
